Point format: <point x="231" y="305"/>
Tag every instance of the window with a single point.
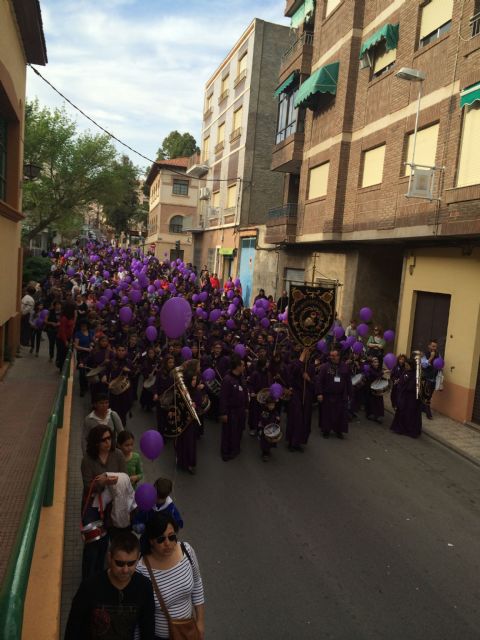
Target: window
<point x="331" y="5"/>
<point x="425" y="150"/>
<point x="436" y="20"/>
<point x="383" y="60"/>
<point x="3" y="158"/>
<point x="469" y="161"/>
<point x="221" y="133"/>
<point x="318" y="181"/>
<point x="237" y="119"/>
<point x="224" y="84"/>
<point x="208" y="102"/>
<point x="242" y="64"/>
<point x="232" y="197"/>
<point x="216" y="199"/>
<point x="373" y="166"/>
<point x="290" y="118"/>
<point x="176" y="224"/>
<point x="180" y="187"/>
<point x="206" y="148"/>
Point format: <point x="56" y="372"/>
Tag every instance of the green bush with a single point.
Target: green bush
<point x="36" y="268"/>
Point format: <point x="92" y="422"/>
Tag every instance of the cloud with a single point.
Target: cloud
<point x="140" y="67"/>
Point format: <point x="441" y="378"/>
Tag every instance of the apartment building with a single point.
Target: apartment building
<point x="237" y="185"/>
<point x="346" y="147"/>
<point x="172" y="209"/>
<point x="21" y="41"/>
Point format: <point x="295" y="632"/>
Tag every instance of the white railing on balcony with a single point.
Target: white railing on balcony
<point x="304" y="39"/>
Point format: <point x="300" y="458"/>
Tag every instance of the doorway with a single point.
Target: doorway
<point x="431" y="320"/>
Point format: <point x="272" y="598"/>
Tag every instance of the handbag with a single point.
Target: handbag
<point x="178" y="628"/>
<point x="439" y="381"/>
<point x="91" y="526"/>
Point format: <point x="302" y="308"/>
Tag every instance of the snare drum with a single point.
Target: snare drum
<point x="379" y="387"/>
<point x="357" y="379"/>
<point x="272" y="433"/>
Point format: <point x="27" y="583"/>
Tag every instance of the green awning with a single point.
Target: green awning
<point x="389" y="33"/>
<point x="303" y="14"/>
<point x="224" y="251"/>
<point x="323" y="80"/>
<point x="470" y="95"/>
<point x="286" y="84"/>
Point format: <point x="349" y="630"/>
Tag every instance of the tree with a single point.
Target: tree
<point x="122" y="212"/>
<point x="177" y="145"/>
<point x="76" y="170"/>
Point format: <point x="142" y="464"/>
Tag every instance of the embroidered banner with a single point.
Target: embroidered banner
<point x="311" y="312"/>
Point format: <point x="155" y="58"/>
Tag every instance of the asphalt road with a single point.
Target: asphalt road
<point x="375" y="536"/>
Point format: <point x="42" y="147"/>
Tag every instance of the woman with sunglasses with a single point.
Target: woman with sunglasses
<point x="99" y="460"/>
<point x="173" y="569"/>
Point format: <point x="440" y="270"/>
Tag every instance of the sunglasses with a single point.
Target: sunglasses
<point x="106" y="439"/>
<point x="125" y="563"/>
<point x="161" y="539"/>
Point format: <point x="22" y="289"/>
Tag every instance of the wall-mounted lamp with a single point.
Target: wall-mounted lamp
<point x="31" y="171"/>
<point x="413" y="264"/>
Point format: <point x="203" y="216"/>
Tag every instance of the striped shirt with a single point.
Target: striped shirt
<point x="181" y="588"/>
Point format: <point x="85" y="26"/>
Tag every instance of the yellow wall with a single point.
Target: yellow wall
<point x="9" y="245"/>
<point x="11" y="50"/>
<point x="448" y="271"/>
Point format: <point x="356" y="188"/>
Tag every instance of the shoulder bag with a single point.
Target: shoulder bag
<point x="178" y="628"/>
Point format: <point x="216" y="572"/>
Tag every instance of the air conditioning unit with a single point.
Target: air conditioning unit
<point x="204" y="193"/>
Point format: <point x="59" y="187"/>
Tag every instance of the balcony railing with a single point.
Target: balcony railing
<point x="219" y="147"/>
<point x="207" y="113"/>
<point x="305" y="39"/>
<point x="213" y="212"/>
<point x="288" y="210"/>
<point x="294" y="127"/>
<point x="475" y="24"/>
<point x="223" y="96"/>
<point x="241" y="76"/>
<point x="236" y="133"/>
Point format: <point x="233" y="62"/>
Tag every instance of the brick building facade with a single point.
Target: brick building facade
<point x="343" y="155"/>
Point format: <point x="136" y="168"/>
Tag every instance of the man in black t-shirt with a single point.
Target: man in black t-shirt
<point x="109" y="605"/>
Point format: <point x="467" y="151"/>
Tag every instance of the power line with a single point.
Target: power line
<point x="124" y="144"/>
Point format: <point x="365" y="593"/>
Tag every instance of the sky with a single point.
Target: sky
<point x="139" y="67"/>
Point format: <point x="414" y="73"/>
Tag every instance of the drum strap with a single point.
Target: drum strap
<point x="86" y="504"/>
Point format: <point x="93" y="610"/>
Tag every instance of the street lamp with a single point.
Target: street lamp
<point x="31" y="171"/>
<point x="413" y="75"/>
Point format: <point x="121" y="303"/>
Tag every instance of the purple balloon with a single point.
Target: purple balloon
<point x="44" y="313"/>
<point x="357" y="348"/>
<point x="199" y="312"/>
<point x="322" y="345"/>
<point x="151" y="333"/>
<point x="232" y="309"/>
<point x="338" y="332"/>
<point x="215" y="315"/>
<point x="146" y="496"/>
<point x="390" y="360"/>
<point x="438" y="363"/>
<point x="172" y="288"/>
<point x="151" y="444"/>
<point x="106" y="274"/>
<point x="366" y="314"/>
<point x="125" y="314"/>
<point x="186" y="353"/>
<point x="208" y="375"/>
<point x="265" y="322"/>
<point x="39" y="323"/>
<point x="363" y="330"/>
<point x="92" y="280"/>
<point x="100" y="306"/>
<point x="70" y="271"/>
<point x="259" y="312"/>
<point x="240" y="350"/>
<point x="350" y="341"/>
<point x="203" y="297"/>
<point x="151" y="288"/>
<point x="175" y="317"/>
<point x="151" y="320"/>
<point x="157" y="284"/>
<point x="230" y="294"/>
<point x="276" y="391"/>
<point x="124" y="300"/>
<point x="135" y="295"/>
<point x="236" y="301"/>
<point x="161" y="293"/>
<point x="108" y="293"/>
<point x="231" y="323"/>
<point x="192" y="277"/>
<point x="389" y="335"/>
<point x="236" y="282"/>
<point x="195" y="298"/>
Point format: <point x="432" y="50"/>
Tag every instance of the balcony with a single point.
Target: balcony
<point x="219" y="147"/>
<point x="241" y="76"/>
<point x="207" y="113"/>
<point x="475" y="25"/>
<point x="291" y="6"/>
<point x="281" y="224"/>
<point x="223" y="96"/>
<point x="287" y="153"/>
<point x="236" y="133"/>
<point x="297" y="57"/>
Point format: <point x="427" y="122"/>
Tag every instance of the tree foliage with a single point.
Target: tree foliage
<point x="122" y="213"/>
<point x="177" y="145"/>
<point x="77" y="170"/>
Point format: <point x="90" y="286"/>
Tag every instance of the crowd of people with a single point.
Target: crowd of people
<point x="183" y="347"/>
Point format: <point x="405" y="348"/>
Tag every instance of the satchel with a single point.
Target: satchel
<point x="92" y="527"/>
<point x="178" y="628"/>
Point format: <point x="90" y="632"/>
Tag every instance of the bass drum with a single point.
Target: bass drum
<point x="272" y="433"/>
<point x="379" y="387"/>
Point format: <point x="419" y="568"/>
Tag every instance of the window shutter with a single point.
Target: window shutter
<point x="426" y="149"/>
<point x="383" y="58"/>
<point x="237" y="119"/>
<point x="331" y="5"/>
<point x="373" y="166"/>
<point x="469" y="161"/>
<point x="232" y="196"/>
<point x="318" y="181"/>
<point x="221" y="132"/>
<point x="435" y="14"/>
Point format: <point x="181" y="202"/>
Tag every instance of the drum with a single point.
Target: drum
<point x="263" y="396"/>
<point x="214" y="387"/>
<point x="357" y="379"/>
<point x="380" y="386"/>
<point x="119" y="385"/>
<point x="205" y="404"/>
<point x="272" y="433"/>
<point x="150" y="381"/>
<point x="93" y="531"/>
<point x="93" y="376"/>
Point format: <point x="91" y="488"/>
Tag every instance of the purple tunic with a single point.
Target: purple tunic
<point x="121" y="403"/>
<point x="258" y="380"/>
<point x="233" y="404"/>
<point x="408" y="415"/>
<point x="334" y="383"/>
<point x="299" y="412"/>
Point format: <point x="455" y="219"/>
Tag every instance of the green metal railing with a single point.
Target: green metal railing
<point x="40" y="493"/>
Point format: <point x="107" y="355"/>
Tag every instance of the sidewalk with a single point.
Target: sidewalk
<point x="462" y="438"/>
<point x="26" y="398"/>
